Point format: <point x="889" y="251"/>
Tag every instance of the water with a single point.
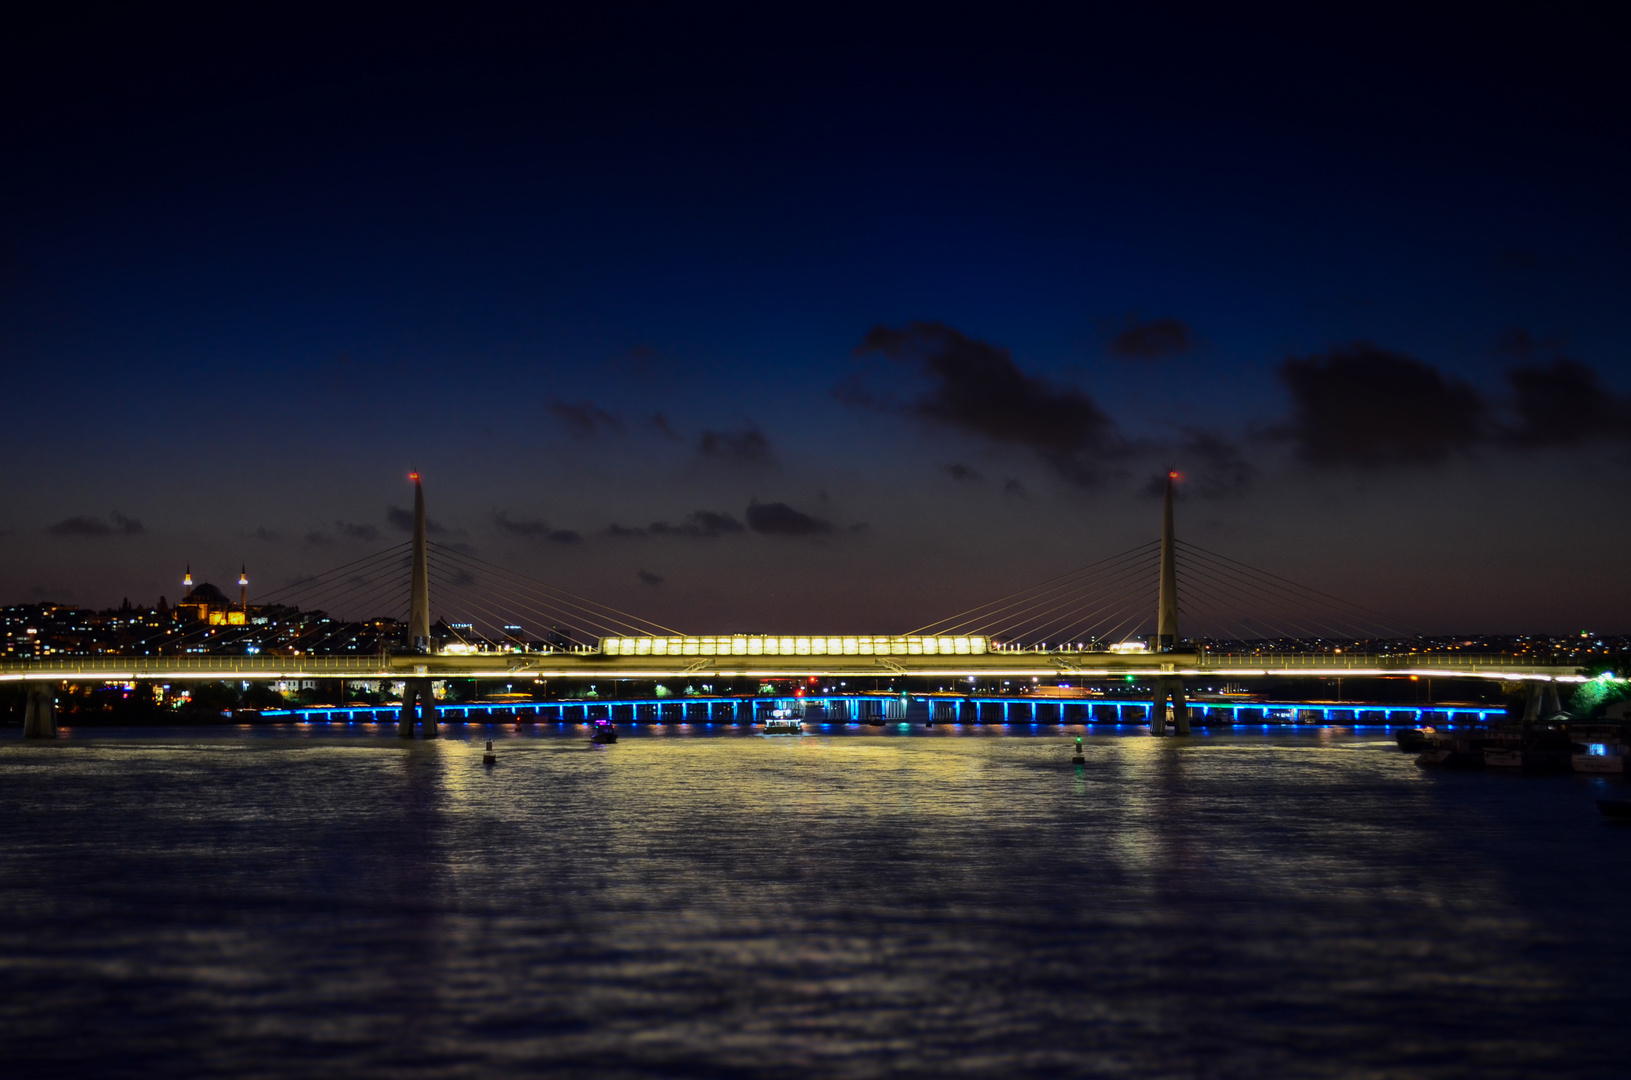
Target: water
<point x="301" y="903"/>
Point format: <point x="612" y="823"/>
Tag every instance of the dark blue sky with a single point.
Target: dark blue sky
<point x="952" y="284"/>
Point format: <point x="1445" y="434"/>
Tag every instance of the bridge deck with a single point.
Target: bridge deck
<point x="1000" y="663"/>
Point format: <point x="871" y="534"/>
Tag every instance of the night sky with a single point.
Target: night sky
<point x="824" y="319"/>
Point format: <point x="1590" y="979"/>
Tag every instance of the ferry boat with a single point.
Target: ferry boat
<point x="1600" y="758"/>
<point x="783" y="722"/>
<point x="603" y="732"/>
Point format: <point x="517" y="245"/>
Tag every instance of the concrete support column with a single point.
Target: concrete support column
<point x="410" y="694"/>
<point x="417" y="692"/>
<point x="1531" y="703"/>
<point x="1552" y="705"/>
<point x="1168" y="686"/>
<point x="427" y="709"/>
<point x="40" y="712"/>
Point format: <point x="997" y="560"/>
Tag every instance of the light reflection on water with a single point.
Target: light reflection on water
<point x="334" y="902"/>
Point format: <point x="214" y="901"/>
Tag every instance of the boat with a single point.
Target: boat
<point x="1446" y="752"/>
<point x="603" y="733"/>
<point x="1414" y="739"/>
<point x="783" y="722"/>
<point x="1615" y="809"/>
<point x="1600" y="758"/>
<point x="1533" y="751"/>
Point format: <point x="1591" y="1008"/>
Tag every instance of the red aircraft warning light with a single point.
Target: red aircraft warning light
<point x="414" y="477"/>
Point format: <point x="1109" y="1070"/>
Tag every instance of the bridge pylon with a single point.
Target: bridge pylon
<point x="1166" y="628"/>
<point x="417" y="689"/>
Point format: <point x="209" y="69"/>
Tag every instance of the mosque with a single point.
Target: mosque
<point x="206" y="604"/>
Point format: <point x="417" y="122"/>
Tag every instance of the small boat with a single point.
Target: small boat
<point x="604" y="732"/>
<point x="1503" y="757"/>
<point x="1452" y="753"/>
<point x="783" y="722"/>
<point x="1615" y="809"/>
<point x="1414" y="739"/>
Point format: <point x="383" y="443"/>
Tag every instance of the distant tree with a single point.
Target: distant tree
<point x="1595" y="695"/>
<point x="214" y="696"/>
<point x="263" y="695"/>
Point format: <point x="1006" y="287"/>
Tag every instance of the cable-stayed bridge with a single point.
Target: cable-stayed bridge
<point x="1099" y="621"/>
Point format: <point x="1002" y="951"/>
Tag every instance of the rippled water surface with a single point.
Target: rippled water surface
<point x="287" y="903"/>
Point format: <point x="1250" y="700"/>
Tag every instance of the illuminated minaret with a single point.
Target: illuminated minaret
<point x="187" y="582"/>
<point x="243" y="588"/>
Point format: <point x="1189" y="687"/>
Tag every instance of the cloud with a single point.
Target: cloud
<point x="1520" y="344"/>
<point x="1209" y="467"/>
<point x="747" y="447"/>
<point x="84" y="526"/>
<point x="958" y="471"/>
<point x="319" y="539"/>
<point x="365" y="532"/>
<point x="1367" y="407"/>
<point x="536" y="529"/>
<point x="701" y="524"/>
<point x="1152" y="340"/>
<point x="648" y="577"/>
<point x="266" y="535"/>
<point x="659" y="423"/>
<point x="779" y="519"/>
<point x="1014" y="488"/>
<point x="979" y="390"/>
<point x="1563" y="404"/>
<point x="583" y="419"/>
<point x="402" y="521"/>
<point x="706" y="524"/>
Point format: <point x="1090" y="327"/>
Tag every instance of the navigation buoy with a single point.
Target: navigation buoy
<point x="489" y="758"/>
<point x="1078" y="759"/>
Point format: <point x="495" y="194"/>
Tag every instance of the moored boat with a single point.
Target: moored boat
<point x="1414" y="739"/>
<point x="1453" y="752"/>
<point x="1600" y="758"/>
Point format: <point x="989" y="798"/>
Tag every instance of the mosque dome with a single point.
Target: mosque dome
<point x="205" y="593"/>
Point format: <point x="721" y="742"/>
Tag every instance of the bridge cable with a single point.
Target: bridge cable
<point x="464" y="593"/>
<point x="1236" y="592"/>
<point x="1084" y="577"/>
<point x="1289" y="585"/>
<point x="533" y="585"/>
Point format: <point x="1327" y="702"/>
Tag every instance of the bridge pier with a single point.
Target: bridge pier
<point x="40" y="714"/>
<point x="1168" y="686"/>
<point x="417" y="691"/>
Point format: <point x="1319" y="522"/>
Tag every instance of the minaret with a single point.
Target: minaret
<point x="243" y="589"/>
<point x="187" y="582"/>
<point x="1166" y="612"/>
